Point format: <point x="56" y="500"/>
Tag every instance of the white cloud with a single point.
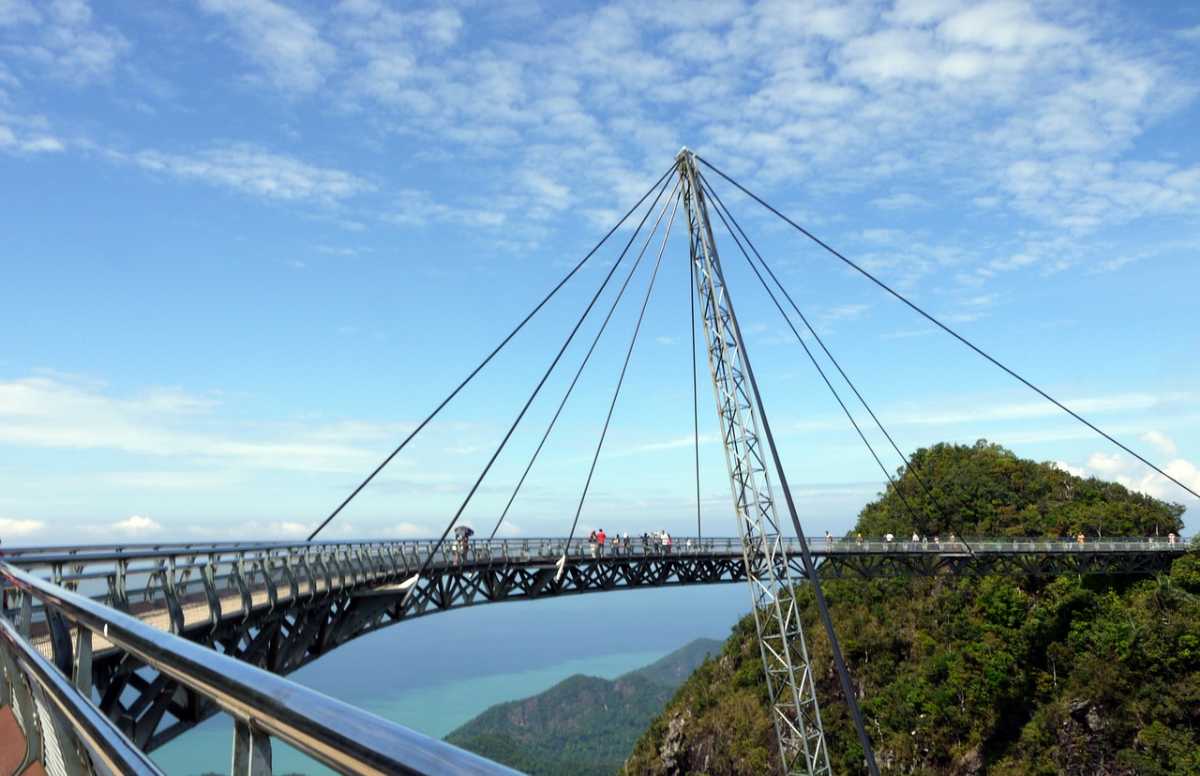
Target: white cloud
<point x="9" y="526"/>
<point x="1163" y="443"/>
<point x="256" y="171"/>
<point x="1004" y="25"/>
<point x="14" y="12"/>
<point x="406" y="530"/>
<point x="136" y="525"/>
<point x="1078" y="471"/>
<point x="17" y="139"/>
<point x="45" y="412"/>
<point x="902" y="200"/>
<point x="287" y="529"/>
<point x="60" y="38"/>
<point x="1107" y="464"/>
<point x="285" y="45"/>
<point x="417" y="208"/>
<point x="1084" y="405"/>
<point x="1135" y="475"/>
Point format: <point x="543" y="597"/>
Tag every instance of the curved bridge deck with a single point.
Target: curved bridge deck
<point x="279" y="605"/>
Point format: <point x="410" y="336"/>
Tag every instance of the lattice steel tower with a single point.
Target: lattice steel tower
<point x="790" y="687"/>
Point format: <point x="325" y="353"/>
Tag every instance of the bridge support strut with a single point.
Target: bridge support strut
<point x="794" y="710"/>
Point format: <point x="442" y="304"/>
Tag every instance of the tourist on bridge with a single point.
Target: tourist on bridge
<point x="828" y="539"/>
<point x="625" y="542"/>
<point x="916" y="537"/>
<point x="600" y="538"/>
<point x="1171" y="538"/>
<point x="665" y="538"/>
<point x="462" y="536"/>
<point x="592" y="542"/>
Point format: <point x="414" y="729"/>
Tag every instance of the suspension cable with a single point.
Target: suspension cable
<point x="537" y="389"/>
<point x="862" y="400"/>
<point x="488" y="358"/>
<point x="946" y="328"/>
<point x="695" y="397"/>
<point x="811" y="357"/>
<point x="612" y="308"/>
<point x="620" y="380"/>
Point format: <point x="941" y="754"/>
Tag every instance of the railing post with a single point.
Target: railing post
<point x="25" y="623"/>
<point x="239" y="579"/>
<point x="264" y="563"/>
<point x="308" y="573"/>
<point x="81" y="672"/>
<point x="251" y="750"/>
<point x="174" y="610"/>
<point x="209" y="578"/>
<point x="293" y="584"/>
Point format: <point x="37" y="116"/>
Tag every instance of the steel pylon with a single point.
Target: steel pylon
<point x="791" y="691"/>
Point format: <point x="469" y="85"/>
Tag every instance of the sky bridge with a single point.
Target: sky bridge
<point x="114" y="619"/>
<point x="108" y="652"/>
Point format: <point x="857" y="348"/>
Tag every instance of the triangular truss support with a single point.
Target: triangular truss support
<point x="790" y="686"/>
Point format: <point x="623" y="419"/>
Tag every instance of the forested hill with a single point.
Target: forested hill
<point x="1094" y="676"/>
<point x="584" y="724"/>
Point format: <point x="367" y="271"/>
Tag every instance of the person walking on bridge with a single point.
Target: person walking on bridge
<point x="592" y="543"/>
<point x="600" y="537"/>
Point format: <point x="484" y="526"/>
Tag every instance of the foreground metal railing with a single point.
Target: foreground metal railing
<point x="262" y="705"/>
<point x="60" y="727"/>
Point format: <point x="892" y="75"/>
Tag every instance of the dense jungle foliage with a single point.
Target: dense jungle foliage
<point x="1085" y="676"/>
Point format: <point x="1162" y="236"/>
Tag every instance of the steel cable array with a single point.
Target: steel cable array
<point x="536" y="390"/>
<point x="812" y="330"/>
<point x="537" y="308"/>
<point x="621" y="380"/>
<point x="812" y="358"/>
<point x="595" y="341"/>
<point x="995" y="362"/>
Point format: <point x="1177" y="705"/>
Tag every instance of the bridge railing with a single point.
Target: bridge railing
<point x="56" y="722"/>
<point x="263" y="705"/>
<point x="190" y="585"/>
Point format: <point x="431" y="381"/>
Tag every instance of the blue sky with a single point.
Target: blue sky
<point x="247" y="245"/>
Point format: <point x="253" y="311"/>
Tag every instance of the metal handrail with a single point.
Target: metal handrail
<point x="341" y="736"/>
<point x="30" y="556"/>
<point x="123" y="576"/>
<point x="103" y="740"/>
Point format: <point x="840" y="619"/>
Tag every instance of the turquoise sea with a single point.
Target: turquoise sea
<point x="434" y="673"/>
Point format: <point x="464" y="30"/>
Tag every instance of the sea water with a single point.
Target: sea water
<point x="437" y="672"/>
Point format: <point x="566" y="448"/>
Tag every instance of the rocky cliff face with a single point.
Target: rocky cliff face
<point x="1077" y="676"/>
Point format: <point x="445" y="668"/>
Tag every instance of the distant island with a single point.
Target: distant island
<point x="584" y="724"/>
<point x="1083" y="676"/>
